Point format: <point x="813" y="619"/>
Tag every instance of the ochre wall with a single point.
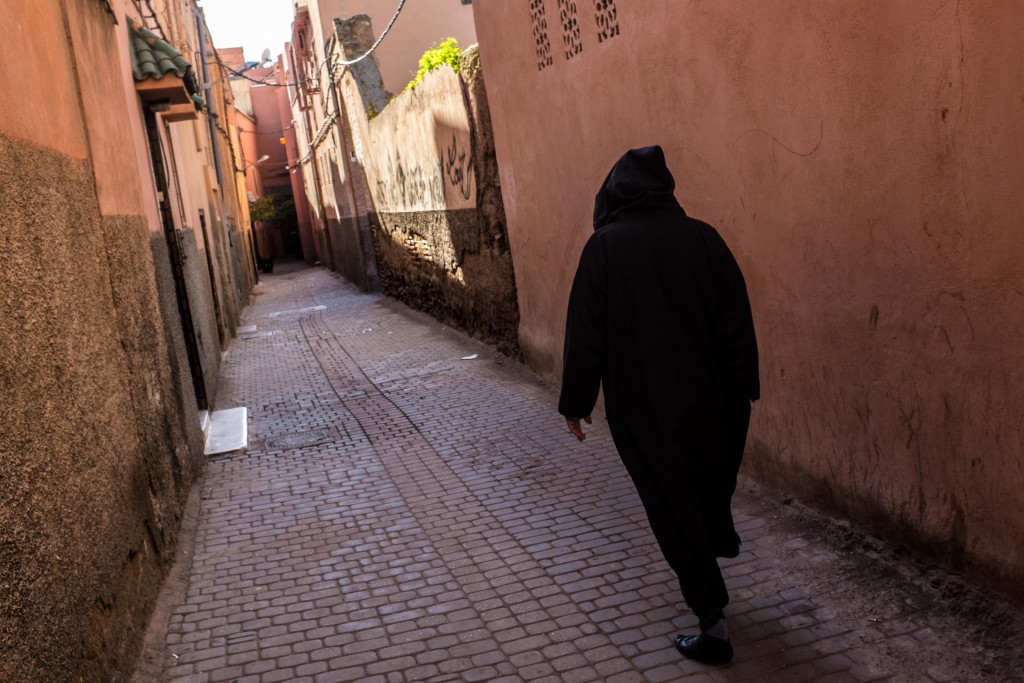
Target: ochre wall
<point x="862" y="160"/>
<point x="99" y="439"/>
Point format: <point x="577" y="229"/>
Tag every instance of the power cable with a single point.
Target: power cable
<point x="266" y="132"/>
<point x="263" y="81"/>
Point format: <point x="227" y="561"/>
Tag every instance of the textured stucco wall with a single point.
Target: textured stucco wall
<point x="204" y="318"/>
<point x="863" y="162"/>
<point x="99" y="436"/>
<point x="96" y="451"/>
<point x="440" y="229"/>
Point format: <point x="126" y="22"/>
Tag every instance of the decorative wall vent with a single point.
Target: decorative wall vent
<point x="540" y="34"/>
<point x="569" y="16"/>
<point x="607" y="19"/>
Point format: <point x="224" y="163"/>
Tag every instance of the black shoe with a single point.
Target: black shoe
<point x="705" y="648"/>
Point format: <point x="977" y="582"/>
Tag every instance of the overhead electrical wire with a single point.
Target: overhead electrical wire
<point x="266" y="132"/>
<point x="340" y="62"/>
<point x="327" y="61"/>
<point x="263" y="81"/>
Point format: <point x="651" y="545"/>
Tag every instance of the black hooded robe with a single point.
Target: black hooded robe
<point x="659" y="316"/>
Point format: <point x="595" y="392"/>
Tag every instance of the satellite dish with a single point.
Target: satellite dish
<point x="265" y="57"/>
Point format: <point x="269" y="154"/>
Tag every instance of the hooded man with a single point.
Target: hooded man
<point x="659" y="316"/>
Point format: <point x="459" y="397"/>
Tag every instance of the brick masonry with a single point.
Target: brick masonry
<point x="442" y="526"/>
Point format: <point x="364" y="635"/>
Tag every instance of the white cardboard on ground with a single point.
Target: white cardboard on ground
<point x="229" y="431"/>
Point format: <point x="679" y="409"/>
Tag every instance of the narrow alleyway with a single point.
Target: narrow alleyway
<point x="410" y="508"/>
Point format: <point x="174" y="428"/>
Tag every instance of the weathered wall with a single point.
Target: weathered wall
<point x="440" y="231"/>
<point x="863" y="162"/>
<point x="189" y="197"/>
<point x="303" y="221"/>
<point x="227" y="236"/>
<point x="95" y="458"/>
<point x="99" y="438"/>
<point x="347" y="207"/>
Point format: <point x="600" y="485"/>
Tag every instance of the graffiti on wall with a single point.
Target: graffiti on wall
<point x="412" y="188"/>
<point x="540" y="34"/>
<point x="606" y="16"/>
<point x="456" y="167"/>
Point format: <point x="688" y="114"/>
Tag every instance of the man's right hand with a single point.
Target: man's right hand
<point x="575" y="428"/>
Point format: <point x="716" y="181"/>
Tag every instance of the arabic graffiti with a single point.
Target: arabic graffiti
<point x="410" y="188"/>
<point x="455" y="166"/>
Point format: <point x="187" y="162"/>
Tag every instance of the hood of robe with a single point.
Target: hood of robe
<point x="639" y="181"/>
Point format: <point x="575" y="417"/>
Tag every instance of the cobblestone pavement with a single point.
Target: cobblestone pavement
<point x="410" y="508"/>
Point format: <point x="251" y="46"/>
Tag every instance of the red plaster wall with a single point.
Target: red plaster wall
<point x="863" y="161"/>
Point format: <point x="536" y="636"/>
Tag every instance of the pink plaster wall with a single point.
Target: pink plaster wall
<point x="111" y="142"/>
<point x="59" y="125"/>
<point x="862" y="160"/>
<point x="250" y="153"/>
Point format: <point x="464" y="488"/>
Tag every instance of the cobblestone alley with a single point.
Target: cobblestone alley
<point x="410" y="508"/>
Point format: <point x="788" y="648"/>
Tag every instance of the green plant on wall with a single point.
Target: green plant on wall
<point x="262" y="209"/>
<point x="447" y="52"/>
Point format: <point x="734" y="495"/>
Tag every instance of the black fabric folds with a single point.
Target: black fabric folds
<point x="639" y="181"/>
<point x="658" y="312"/>
<point x="660" y="318"/>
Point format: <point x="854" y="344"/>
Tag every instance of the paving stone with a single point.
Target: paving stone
<point x="404" y="515"/>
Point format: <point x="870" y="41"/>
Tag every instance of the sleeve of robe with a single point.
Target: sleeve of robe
<point x="739" y="343"/>
<point x="585" y="334"/>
